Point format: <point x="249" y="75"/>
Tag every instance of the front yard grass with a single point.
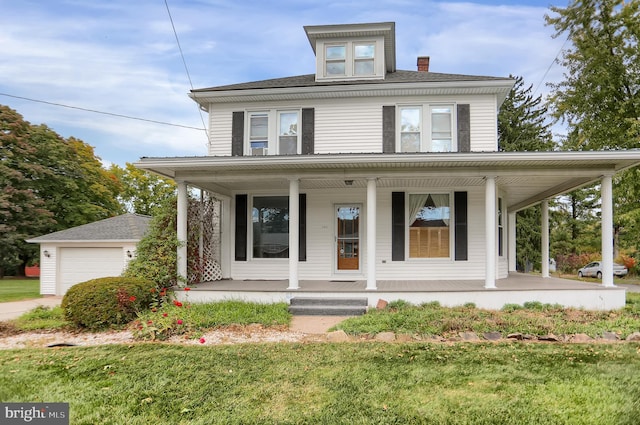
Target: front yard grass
<point x="19" y="289"/>
<point x="534" y="318"/>
<point x="364" y="383"/>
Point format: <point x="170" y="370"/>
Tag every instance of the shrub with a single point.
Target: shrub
<point x="399" y="305"/>
<point x="108" y="301"/>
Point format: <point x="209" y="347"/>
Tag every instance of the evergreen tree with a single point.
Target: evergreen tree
<point x="522" y="126"/>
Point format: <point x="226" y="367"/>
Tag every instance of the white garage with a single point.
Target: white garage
<point x="94" y="250"/>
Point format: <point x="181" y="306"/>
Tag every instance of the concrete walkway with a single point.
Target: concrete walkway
<point x="14" y="309"/>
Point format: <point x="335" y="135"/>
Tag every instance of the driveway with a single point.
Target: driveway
<point x="629" y="288"/>
<point x="14" y="309"/>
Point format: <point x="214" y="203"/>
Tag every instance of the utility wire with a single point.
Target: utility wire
<point x="101" y="112"/>
<point x="186" y="68"/>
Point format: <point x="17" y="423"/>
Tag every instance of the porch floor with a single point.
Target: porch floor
<point x="518" y="288"/>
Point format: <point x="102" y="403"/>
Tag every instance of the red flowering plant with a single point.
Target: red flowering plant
<point x="163" y="322"/>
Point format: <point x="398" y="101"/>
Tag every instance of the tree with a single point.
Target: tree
<point x="522" y="126"/>
<point x="48" y="183"/>
<point x="599" y="98"/>
<point x="22" y="212"/>
<point x="156" y="254"/>
<point x="522" y="121"/>
<point x="74" y="187"/>
<point x="141" y="192"/>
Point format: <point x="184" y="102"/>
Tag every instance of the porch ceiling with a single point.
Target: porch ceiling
<point x="525" y="177"/>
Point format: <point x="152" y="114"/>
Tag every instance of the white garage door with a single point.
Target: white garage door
<point x="80" y="264"/>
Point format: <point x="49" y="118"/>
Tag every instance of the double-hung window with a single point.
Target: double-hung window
<point x="259" y="133"/>
<point x="441" y="128"/>
<point x="274" y="132"/>
<point x="429" y="225"/>
<point x="426" y="128"/>
<point x="410" y="129"/>
<point x="336" y="59"/>
<point x="363" y="58"/>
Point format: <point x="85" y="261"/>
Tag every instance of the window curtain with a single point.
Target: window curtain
<point x="441" y="200"/>
<point x="416" y="202"/>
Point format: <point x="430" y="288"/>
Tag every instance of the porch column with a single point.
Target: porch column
<point x="181" y="219"/>
<point x="294" y="236"/>
<point x="607" y="229"/>
<point x="513" y="250"/>
<point x="490" y="232"/>
<point x="545" y="238"/>
<point x="371" y="233"/>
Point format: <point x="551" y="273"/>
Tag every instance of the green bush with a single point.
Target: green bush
<point x="108" y="301"/>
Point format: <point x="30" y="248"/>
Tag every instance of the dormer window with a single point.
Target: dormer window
<point x="363" y="57"/>
<point x="335" y="57"/>
<point x="357" y="59"/>
<point x="353" y="51"/>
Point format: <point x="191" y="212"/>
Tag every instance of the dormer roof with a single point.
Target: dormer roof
<point x="387" y="30"/>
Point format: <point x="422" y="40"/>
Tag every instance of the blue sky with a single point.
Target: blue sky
<point x="121" y="57"/>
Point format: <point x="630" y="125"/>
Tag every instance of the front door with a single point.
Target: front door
<point x="348" y="237"/>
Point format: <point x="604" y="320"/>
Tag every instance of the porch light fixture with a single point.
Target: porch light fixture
<point x="46" y="253"/>
<point x="129" y="253"/>
<point x="348" y="182"/>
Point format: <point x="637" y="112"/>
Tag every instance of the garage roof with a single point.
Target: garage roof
<point x="126" y="227"/>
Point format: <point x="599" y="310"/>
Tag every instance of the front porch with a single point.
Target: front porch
<point x="518" y="288"/>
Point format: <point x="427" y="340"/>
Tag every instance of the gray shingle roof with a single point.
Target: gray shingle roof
<point x="130" y="227"/>
<point x="309" y="80"/>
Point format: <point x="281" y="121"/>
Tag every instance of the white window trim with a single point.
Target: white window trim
<point x="408" y="220"/>
<point x="378" y="59"/>
<point x="426" y="125"/>
<point x="273" y="131"/>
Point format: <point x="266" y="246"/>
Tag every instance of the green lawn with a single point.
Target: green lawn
<point x="321" y="383"/>
<point x="19" y="289"/>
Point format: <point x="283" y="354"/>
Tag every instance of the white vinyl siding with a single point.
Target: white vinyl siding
<point x="48" y="269"/>
<point x="348" y="126"/>
<point x="220" y="118"/>
<point x="484" y="124"/>
<point x="355" y="125"/>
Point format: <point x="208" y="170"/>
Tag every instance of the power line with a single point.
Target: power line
<point x="184" y="62"/>
<point x="101" y="112"/>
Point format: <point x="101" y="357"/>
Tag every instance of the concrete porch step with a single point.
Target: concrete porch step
<point x="309" y="306"/>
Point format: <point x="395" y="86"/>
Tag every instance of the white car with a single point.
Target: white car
<point x="594" y="269"/>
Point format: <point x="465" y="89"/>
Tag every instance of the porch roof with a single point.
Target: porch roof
<point x="525" y="177"/>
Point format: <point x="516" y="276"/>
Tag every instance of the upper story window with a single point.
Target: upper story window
<point x="273" y="132"/>
<point x="426" y="128"/>
<point x="357" y="59"/>
<point x="335" y="60"/>
<point x="364" y="58"/>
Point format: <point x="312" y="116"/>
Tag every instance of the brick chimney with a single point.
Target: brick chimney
<point x="423" y="63"/>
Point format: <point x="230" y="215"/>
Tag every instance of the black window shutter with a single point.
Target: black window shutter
<point x="308" y="128"/>
<point x="397" y="226"/>
<point x="241" y="227"/>
<point x="460" y="222"/>
<point x="237" y="133"/>
<point x="302" y="229"/>
<point x="388" y="129"/>
<point x="464" y="128"/>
